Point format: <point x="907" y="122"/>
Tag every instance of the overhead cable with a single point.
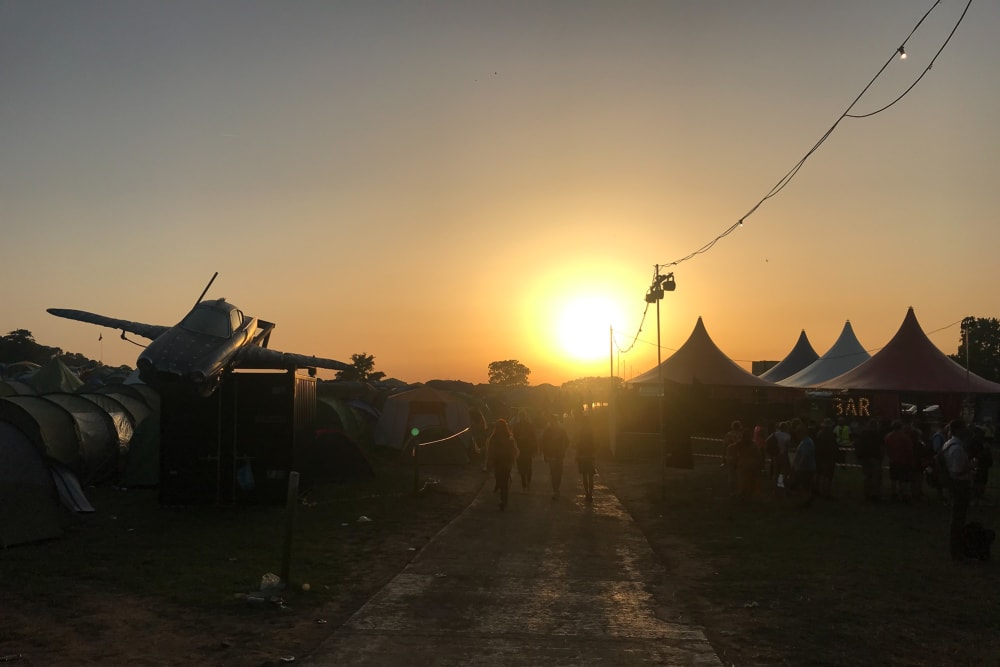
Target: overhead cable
<point x="786" y="179"/>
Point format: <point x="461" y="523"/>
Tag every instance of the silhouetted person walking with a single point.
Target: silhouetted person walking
<point x="869" y="448"/>
<point x="748" y="457"/>
<point x="956" y="460"/>
<point x="804" y="465"/>
<point x="478" y="429"/>
<point x="555" y="442"/>
<point x="503" y="452"/>
<point x="586" y="453"/>
<point x="527" y="447"/>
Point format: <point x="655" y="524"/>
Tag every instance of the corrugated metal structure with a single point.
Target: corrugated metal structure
<point x="238" y="445"/>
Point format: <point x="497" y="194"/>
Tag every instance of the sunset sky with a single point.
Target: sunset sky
<point x="446" y="184"/>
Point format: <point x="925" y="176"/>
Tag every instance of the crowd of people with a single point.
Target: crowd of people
<point x="798" y="459"/>
<point x="795" y="458"/>
<point x="512" y="445"/>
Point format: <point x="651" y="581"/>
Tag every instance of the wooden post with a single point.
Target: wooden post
<point x="416" y="464"/>
<point x="286" y="556"/>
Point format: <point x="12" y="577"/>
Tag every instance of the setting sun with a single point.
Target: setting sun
<point x="583" y="327"/>
<point x="570" y="311"/>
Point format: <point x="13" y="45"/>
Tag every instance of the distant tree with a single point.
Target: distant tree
<point x="362" y="369"/>
<point x="979" y="347"/>
<point x="451" y="385"/>
<point x="20" y="345"/>
<point x="20" y="337"/>
<point x="509" y="373"/>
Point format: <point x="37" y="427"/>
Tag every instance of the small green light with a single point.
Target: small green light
<point x="414" y="431"/>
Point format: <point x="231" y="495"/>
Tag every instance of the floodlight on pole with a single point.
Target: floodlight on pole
<point x="661" y="284"/>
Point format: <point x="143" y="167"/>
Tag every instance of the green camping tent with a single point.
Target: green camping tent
<point x="55" y="376"/>
<point x="29" y="505"/>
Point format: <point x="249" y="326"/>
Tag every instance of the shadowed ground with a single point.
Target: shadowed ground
<point x="553" y="582"/>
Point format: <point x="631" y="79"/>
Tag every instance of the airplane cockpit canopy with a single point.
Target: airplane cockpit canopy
<point x="209" y="319"/>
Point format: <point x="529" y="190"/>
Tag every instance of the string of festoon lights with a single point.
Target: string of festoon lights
<point x="898" y="52"/>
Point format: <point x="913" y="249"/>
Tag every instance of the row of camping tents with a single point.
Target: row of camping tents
<point x="25" y="377"/>
<point x="60" y="442"/>
<point x="65" y="441"/>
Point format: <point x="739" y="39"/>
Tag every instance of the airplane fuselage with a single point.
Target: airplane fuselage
<point x="193" y="355"/>
<point x="197" y="350"/>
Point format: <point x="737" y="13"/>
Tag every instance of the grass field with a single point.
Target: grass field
<point x="137" y="584"/>
<point x="840" y="582"/>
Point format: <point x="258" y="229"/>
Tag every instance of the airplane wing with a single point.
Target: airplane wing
<point x="150" y="331"/>
<point x="262" y="356"/>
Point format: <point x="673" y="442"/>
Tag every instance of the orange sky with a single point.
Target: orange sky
<point x="437" y="185"/>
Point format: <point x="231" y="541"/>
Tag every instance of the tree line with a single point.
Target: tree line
<point x="20" y="345"/>
<point x="978" y="350"/>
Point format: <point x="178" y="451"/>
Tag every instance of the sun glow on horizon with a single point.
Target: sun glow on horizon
<point x="583" y="327"/>
<point x="569" y="311"/>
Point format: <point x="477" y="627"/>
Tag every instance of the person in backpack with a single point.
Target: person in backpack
<point x="959" y="467"/>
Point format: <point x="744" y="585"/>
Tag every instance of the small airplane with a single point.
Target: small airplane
<point x="215" y="336"/>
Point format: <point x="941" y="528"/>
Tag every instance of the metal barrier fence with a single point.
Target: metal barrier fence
<point x="845" y="452"/>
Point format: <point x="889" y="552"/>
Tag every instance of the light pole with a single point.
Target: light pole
<point x="612" y="405"/>
<point x="661" y="284"/>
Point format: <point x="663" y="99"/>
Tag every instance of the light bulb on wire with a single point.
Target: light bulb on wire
<point x="902" y="53"/>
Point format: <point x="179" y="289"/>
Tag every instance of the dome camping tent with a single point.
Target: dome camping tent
<point x="435" y="414"/>
<point x="55" y="376"/>
<point x="100" y="447"/>
<point x="29" y="504"/>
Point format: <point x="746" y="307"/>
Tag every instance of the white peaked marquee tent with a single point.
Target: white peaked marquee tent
<point x="700" y="361"/>
<point x="845" y="354"/>
<point x="801" y="356"/>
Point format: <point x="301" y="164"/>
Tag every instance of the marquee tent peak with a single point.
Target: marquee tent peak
<point x="699" y="360"/>
<point x="845" y="354"/>
<point x="801" y="355"/>
<point x="910" y="362"/>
